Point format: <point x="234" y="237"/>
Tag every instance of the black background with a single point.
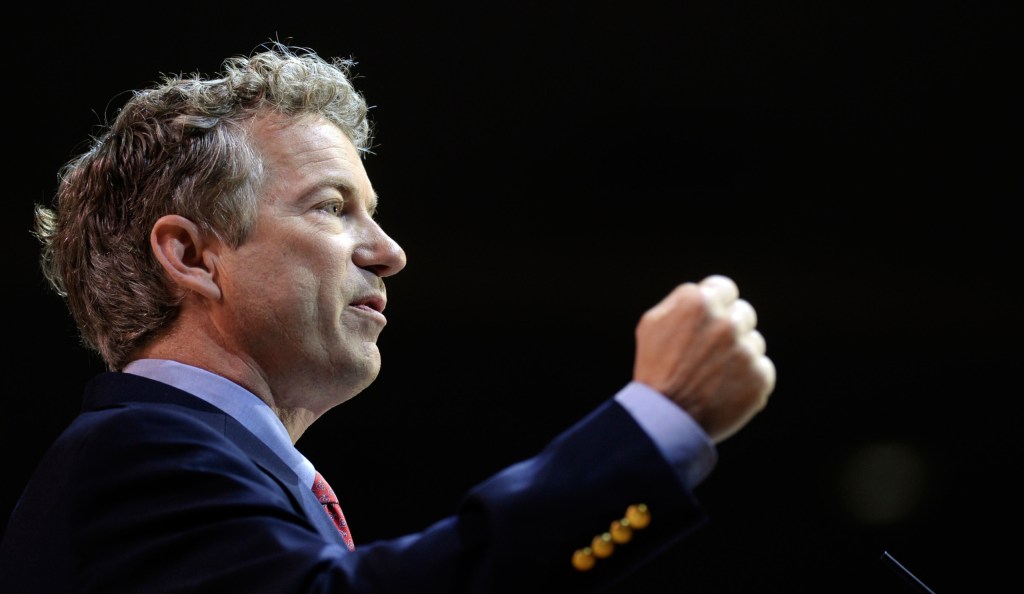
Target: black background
<point x="552" y="171"/>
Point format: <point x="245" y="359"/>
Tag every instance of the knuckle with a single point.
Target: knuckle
<point x="722" y="330"/>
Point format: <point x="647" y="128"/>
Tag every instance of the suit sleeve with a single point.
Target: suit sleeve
<point x="524" y="524"/>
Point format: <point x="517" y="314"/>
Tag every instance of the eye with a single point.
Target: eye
<point x="335" y="208"/>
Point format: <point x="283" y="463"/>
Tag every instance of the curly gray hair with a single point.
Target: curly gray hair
<point x="181" y="147"/>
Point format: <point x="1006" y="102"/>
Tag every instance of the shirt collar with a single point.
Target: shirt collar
<point x="237" y="402"/>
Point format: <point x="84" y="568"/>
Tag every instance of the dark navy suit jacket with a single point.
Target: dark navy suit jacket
<point x="152" y="490"/>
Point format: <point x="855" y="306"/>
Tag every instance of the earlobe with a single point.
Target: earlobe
<point x="186" y="256"/>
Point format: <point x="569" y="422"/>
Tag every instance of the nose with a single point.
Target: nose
<point x="379" y="253"/>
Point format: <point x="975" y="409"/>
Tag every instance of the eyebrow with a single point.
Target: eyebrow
<point x="345" y="186"/>
<point x="371" y="204"/>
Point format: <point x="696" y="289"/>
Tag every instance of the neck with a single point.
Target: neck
<point x="295" y="420"/>
<point x="289" y="405"/>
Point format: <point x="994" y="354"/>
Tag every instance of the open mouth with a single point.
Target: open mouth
<point x="373" y="303"/>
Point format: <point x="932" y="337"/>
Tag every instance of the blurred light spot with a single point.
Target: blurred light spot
<point x="884" y="483"/>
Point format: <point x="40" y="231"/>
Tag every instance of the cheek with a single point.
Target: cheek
<point x="327" y="281"/>
<point x="331" y="262"/>
<point x="300" y="274"/>
<point x="263" y="280"/>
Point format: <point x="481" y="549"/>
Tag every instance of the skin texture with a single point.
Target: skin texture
<point x="293" y="314"/>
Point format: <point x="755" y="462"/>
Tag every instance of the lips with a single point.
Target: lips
<point x="374" y="302"/>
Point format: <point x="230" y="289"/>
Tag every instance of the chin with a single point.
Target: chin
<point x="358" y="374"/>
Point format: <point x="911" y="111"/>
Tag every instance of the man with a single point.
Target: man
<point x="217" y="247"/>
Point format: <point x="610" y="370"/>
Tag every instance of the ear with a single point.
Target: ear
<point x="188" y="257"/>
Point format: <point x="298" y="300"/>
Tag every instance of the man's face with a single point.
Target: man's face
<point x="304" y="293"/>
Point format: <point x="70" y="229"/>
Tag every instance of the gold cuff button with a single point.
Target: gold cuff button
<point x="621" y="531"/>
<point x="638" y="515"/>
<point x="583" y="559"/>
<point x="602" y="545"/>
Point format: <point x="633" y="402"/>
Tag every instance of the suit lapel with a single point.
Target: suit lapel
<point x="301" y="495"/>
<point x="112" y="389"/>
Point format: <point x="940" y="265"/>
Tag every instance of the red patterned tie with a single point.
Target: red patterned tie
<point x="325" y="495"/>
